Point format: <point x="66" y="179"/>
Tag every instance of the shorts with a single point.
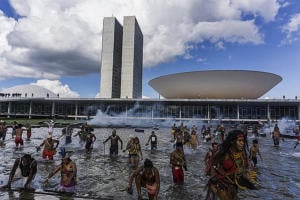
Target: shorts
<point x="48" y="153"/>
<point x="178" y="175"/>
<point x="19" y="141"/>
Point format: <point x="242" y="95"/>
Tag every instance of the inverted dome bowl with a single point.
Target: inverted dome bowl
<point x="215" y="84"/>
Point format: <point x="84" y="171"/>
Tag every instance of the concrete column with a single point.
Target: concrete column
<point x="8" y="109"/>
<point x="238" y="112"/>
<point x="268" y="112"/>
<point x="76" y="110"/>
<point x="30" y="110"/>
<point x="53" y="109"/>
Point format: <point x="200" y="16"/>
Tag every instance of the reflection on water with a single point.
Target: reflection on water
<point x="100" y="177"/>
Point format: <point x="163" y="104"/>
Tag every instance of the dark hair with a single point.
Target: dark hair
<point x="148" y="163"/>
<point x="214" y="143"/>
<point x="255" y="141"/>
<point x="179" y="144"/>
<point x="227" y="143"/>
<point x="27" y="156"/>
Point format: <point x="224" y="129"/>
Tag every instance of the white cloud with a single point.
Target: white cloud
<point x="56" y="38"/>
<point x="291" y="29"/>
<point x="57" y="87"/>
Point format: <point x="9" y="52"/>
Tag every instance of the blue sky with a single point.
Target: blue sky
<point x="57" y="44"/>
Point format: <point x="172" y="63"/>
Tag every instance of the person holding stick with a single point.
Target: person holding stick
<point x="114" y="147"/>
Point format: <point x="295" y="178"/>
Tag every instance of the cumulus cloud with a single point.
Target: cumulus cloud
<point x="291" y="29"/>
<point x="57" y="87"/>
<point x="54" y="38"/>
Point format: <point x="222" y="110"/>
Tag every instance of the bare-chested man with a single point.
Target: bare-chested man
<point x="254" y="150"/>
<point x="49" y="148"/>
<point x="18" y="138"/>
<point x="114" y="139"/>
<point x="276" y="135"/>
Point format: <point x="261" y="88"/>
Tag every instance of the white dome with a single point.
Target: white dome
<point x="28" y="91"/>
<point x="215" y="84"/>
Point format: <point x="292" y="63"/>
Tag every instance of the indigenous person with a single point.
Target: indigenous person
<point x="178" y="161"/>
<point x="67" y="131"/>
<point x="50" y="125"/>
<point x="83" y="132"/>
<point x="186" y="137"/>
<point x="209" y="158"/>
<point x="254" y="150"/>
<point x="153" y="140"/>
<point x="173" y="131"/>
<point x="178" y="137"/>
<point x="28" y="168"/>
<point x="146" y="176"/>
<point x="28" y="131"/>
<point x="194" y="139"/>
<point x="218" y="138"/>
<point x="90" y="139"/>
<point x="230" y="168"/>
<point x="68" y="172"/>
<point x="14" y="128"/>
<point x="222" y="131"/>
<point x="49" y="148"/>
<point x="129" y="145"/>
<point x="276" y="135"/>
<point x="18" y="138"/>
<point x="207" y="134"/>
<point x="114" y="143"/>
<point x="3" y="130"/>
<point x="135" y="152"/>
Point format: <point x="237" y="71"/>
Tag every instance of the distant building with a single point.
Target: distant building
<point x="132" y="59"/>
<point x="111" y="61"/>
<point x="122" y="59"/>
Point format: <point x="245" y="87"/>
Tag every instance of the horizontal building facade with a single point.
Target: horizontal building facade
<point x="152" y="109"/>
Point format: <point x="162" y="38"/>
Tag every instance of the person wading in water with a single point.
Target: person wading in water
<point x="49" y="148"/>
<point x="230" y="170"/>
<point x="114" y="147"/>
<point x="209" y="158"/>
<point x="153" y="140"/>
<point x="276" y="135"/>
<point x="135" y="152"/>
<point x="28" y="168"/>
<point x="146" y="176"/>
<point x="90" y="139"/>
<point x="178" y="161"/>
<point x="254" y="150"/>
<point x="68" y="171"/>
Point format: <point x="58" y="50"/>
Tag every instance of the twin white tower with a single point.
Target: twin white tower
<point x="122" y="59"/>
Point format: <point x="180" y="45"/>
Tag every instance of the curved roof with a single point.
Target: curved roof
<point x="215" y="84"/>
<point x="30" y="90"/>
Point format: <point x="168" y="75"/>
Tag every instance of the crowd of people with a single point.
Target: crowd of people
<point x="229" y="162"/>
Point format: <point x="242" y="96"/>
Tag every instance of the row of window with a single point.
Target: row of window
<point x="154" y="110"/>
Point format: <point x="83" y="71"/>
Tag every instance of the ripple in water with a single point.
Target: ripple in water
<point x="101" y="177"/>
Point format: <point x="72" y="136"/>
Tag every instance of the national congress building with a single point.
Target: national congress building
<point x="216" y="95"/>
